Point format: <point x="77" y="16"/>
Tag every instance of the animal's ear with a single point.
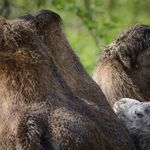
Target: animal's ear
<point x="126" y="55"/>
<point x="45" y="17"/>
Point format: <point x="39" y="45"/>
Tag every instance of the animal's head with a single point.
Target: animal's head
<point x="135" y="114"/>
<point x="133" y="52"/>
<point x="123" y="69"/>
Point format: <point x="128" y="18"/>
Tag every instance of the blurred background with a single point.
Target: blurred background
<point x="89" y="25"/>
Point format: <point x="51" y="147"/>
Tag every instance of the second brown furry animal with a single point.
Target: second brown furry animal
<point x="123" y="69"/>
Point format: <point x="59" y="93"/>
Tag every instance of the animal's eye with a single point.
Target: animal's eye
<point x="139" y="115"/>
<point x="136" y="103"/>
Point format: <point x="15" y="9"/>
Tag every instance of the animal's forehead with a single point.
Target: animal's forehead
<point x="131" y="102"/>
<point x="141" y="106"/>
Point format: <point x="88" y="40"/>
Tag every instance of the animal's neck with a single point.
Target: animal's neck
<point x="144" y="140"/>
<point x="114" y="81"/>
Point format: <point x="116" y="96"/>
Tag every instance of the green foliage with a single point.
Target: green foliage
<point x="88" y="24"/>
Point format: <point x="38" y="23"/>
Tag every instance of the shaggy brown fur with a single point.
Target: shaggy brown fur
<point x="41" y="110"/>
<point x="123" y="69"/>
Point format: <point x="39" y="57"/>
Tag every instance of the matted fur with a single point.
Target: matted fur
<point x="136" y="116"/>
<point x="41" y="108"/>
<point x="123" y="67"/>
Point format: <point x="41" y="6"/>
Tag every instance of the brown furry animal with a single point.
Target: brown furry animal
<point x="41" y="108"/>
<point x="123" y="68"/>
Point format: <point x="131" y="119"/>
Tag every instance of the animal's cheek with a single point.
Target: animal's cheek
<point x="127" y="117"/>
